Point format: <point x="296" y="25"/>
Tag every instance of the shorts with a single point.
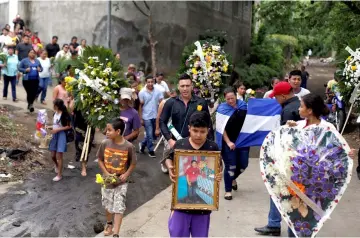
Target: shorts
<point x="58" y="142"/>
<point x="113" y="199"/>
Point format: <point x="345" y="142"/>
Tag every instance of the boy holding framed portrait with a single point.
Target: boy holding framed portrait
<point x="195" y="169"/>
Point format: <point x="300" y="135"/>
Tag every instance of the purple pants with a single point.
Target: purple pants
<point x="182" y="224"/>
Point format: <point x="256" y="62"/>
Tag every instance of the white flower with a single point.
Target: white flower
<point x="77" y="71"/>
<point x="106" y="83"/>
<point x="93" y="73"/>
<point x="82" y="97"/>
<point x="104" y="97"/>
<point x="106" y="59"/>
<point x="286" y="206"/>
<point x="248" y="91"/>
<point x="113" y="83"/>
<point x="101" y="64"/>
<point x="100" y="117"/>
<point x="116" y="101"/>
<point x="115" y="92"/>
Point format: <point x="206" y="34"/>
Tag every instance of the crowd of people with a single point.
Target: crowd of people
<point x="182" y="121"/>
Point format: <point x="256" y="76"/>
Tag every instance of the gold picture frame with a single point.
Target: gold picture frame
<point x="196" y="187"/>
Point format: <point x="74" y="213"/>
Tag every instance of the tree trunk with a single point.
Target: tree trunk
<point x="153" y="47"/>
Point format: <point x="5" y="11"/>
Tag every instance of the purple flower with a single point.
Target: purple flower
<point x="302" y="228"/>
<point x="329" y="191"/>
<point x="337" y="168"/>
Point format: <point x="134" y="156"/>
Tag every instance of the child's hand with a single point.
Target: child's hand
<point x="218" y="177"/>
<point x="124" y="177"/>
<point x="172" y="175"/>
<point x="291" y="123"/>
<point x="351" y="153"/>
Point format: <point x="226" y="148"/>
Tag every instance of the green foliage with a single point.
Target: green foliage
<point x="256" y="75"/>
<point x="61" y="64"/>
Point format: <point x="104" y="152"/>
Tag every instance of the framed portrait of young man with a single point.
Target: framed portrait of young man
<point x="195" y="187"/>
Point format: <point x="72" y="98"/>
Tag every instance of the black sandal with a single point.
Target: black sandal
<point x="115" y="235"/>
<point x="228" y="197"/>
<point x="234" y="187"/>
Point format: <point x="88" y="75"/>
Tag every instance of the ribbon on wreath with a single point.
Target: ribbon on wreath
<point x="90" y="83"/>
<point x="200" y="53"/>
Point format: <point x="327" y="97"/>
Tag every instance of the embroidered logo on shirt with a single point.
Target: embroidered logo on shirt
<point x="199" y="107"/>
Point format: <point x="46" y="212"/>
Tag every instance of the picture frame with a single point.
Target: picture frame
<point x="195" y="187"/>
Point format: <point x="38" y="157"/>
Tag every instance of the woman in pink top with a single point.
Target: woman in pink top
<point x="61" y="93"/>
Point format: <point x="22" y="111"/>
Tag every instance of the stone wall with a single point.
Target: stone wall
<point x="4" y="14"/>
<point x="176" y="24"/>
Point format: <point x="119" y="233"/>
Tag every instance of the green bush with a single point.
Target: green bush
<point x="256" y="75"/>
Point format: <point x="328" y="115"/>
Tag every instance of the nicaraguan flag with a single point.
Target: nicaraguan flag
<point x="263" y="116"/>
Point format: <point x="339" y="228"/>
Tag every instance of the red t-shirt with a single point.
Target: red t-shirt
<point x="193" y="173"/>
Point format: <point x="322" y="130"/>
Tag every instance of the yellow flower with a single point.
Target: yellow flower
<point x="217" y="84"/>
<point x="225" y="68"/>
<point x="199" y="107"/>
<point x="349" y="58"/>
<point x="99" y="179"/>
<point x="353" y="68"/>
<point x="194" y="71"/>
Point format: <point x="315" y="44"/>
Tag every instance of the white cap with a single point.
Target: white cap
<point x="126" y="93"/>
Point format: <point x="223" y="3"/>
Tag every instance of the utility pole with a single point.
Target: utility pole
<point x="108" y="35"/>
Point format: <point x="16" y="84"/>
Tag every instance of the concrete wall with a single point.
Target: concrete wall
<point x="176" y="24"/>
<point x="4" y="14"/>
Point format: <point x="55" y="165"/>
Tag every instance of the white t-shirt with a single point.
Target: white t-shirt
<point x="162" y="87"/>
<point x="57" y="121"/>
<point x="62" y="53"/>
<point x="80" y="50"/>
<point x="303" y="92"/>
<point x="267" y="94"/>
<point x="46" y="64"/>
<point x="7" y="40"/>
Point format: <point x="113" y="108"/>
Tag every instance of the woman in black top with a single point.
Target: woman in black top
<point x="235" y="159"/>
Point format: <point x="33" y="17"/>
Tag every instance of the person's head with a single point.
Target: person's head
<point x="286" y="78"/>
<point x="44" y="54"/>
<point x="282" y="92"/>
<point x="28" y="32"/>
<point x="74" y="39"/>
<point x="26" y="39"/>
<point x="150" y="81"/>
<point x="59" y="105"/>
<point x="230" y="96"/>
<point x="240" y="88"/>
<point x="131" y="68"/>
<point x="65" y="48"/>
<point x="185" y="86"/>
<point x="303" y="68"/>
<point x="125" y="97"/>
<point x="194" y="163"/>
<point x="7" y="26"/>
<point x="274" y="81"/>
<point x="32" y="54"/>
<point x="5" y="31"/>
<point x="62" y="80"/>
<point x="312" y="105"/>
<point x="11" y="50"/>
<point x="18" y="16"/>
<point x="83" y="43"/>
<point x="115" y="128"/>
<point x="54" y="40"/>
<point x="117" y="56"/>
<point x="173" y="93"/>
<point x="35" y="41"/>
<point x="199" y="124"/>
<point x="295" y="79"/>
<point x="159" y="77"/>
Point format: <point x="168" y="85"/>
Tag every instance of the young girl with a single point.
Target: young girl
<point x="241" y="90"/>
<point x="274" y="81"/>
<point x="115" y="156"/>
<point x="57" y="146"/>
<point x="60" y="92"/>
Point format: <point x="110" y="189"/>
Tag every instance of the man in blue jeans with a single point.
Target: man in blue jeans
<point x="150" y="98"/>
<point x="290" y="104"/>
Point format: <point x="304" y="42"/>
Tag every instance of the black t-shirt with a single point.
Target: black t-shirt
<point x="74" y="45"/>
<point x="184" y="144"/>
<point x="52" y="49"/>
<point x="23" y="50"/>
<point x="235" y="124"/>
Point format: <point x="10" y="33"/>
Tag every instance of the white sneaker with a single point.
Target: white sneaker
<point x="164" y="169"/>
<point x="57" y="178"/>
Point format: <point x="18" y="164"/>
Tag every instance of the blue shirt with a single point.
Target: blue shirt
<point x="150" y="102"/>
<point x="11" y="66"/>
<point x="33" y="74"/>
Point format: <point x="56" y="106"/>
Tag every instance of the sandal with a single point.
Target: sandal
<point x="234" y="186"/>
<point x="228" y="196"/>
<point x="108" y="229"/>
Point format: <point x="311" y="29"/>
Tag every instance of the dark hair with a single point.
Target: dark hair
<point x="200" y="119"/>
<point x="238" y="84"/>
<point x="118" y="124"/>
<point x="295" y="73"/>
<point x="273" y="80"/>
<point x="25" y="35"/>
<point x="65" y="116"/>
<point x="32" y="49"/>
<point x="316" y="104"/>
<point x="159" y="74"/>
<point x="65" y="45"/>
<point x="62" y="78"/>
<point x="83" y="40"/>
<point x="55" y="37"/>
<point x="128" y="75"/>
<point x="193" y="161"/>
<point x="73" y="38"/>
<point x="184" y="77"/>
<point x="148" y="77"/>
<point x="229" y="90"/>
<point x="5" y="29"/>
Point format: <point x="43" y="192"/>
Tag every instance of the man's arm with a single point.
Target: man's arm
<point x="164" y="119"/>
<point x="157" y="123"/>
<point x="136" y="129"/>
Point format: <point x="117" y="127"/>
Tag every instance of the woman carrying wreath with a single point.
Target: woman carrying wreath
<point x="235" y="159"/>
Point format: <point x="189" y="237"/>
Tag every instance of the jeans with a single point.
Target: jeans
<point x="9" y="80"/>
<point x="150" y="126"/>
<point x="192" y="189"/>
<point x="43" y="84"/>
<point x="274" y="218"/>
<point x="236" y="161"/>
<point x="31" y="87"/>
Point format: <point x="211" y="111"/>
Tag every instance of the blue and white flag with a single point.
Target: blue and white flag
<point x="263" y="116"/>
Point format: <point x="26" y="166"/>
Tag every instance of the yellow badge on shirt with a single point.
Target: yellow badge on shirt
<point x="199" y="107"/>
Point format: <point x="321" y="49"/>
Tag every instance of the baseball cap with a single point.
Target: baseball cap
<point x="282" y="88"/>
<point x="131" y="66"/>
<point x="126" y="93"/>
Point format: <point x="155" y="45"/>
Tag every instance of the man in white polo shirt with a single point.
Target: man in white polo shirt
<point x="295" y="82"/>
